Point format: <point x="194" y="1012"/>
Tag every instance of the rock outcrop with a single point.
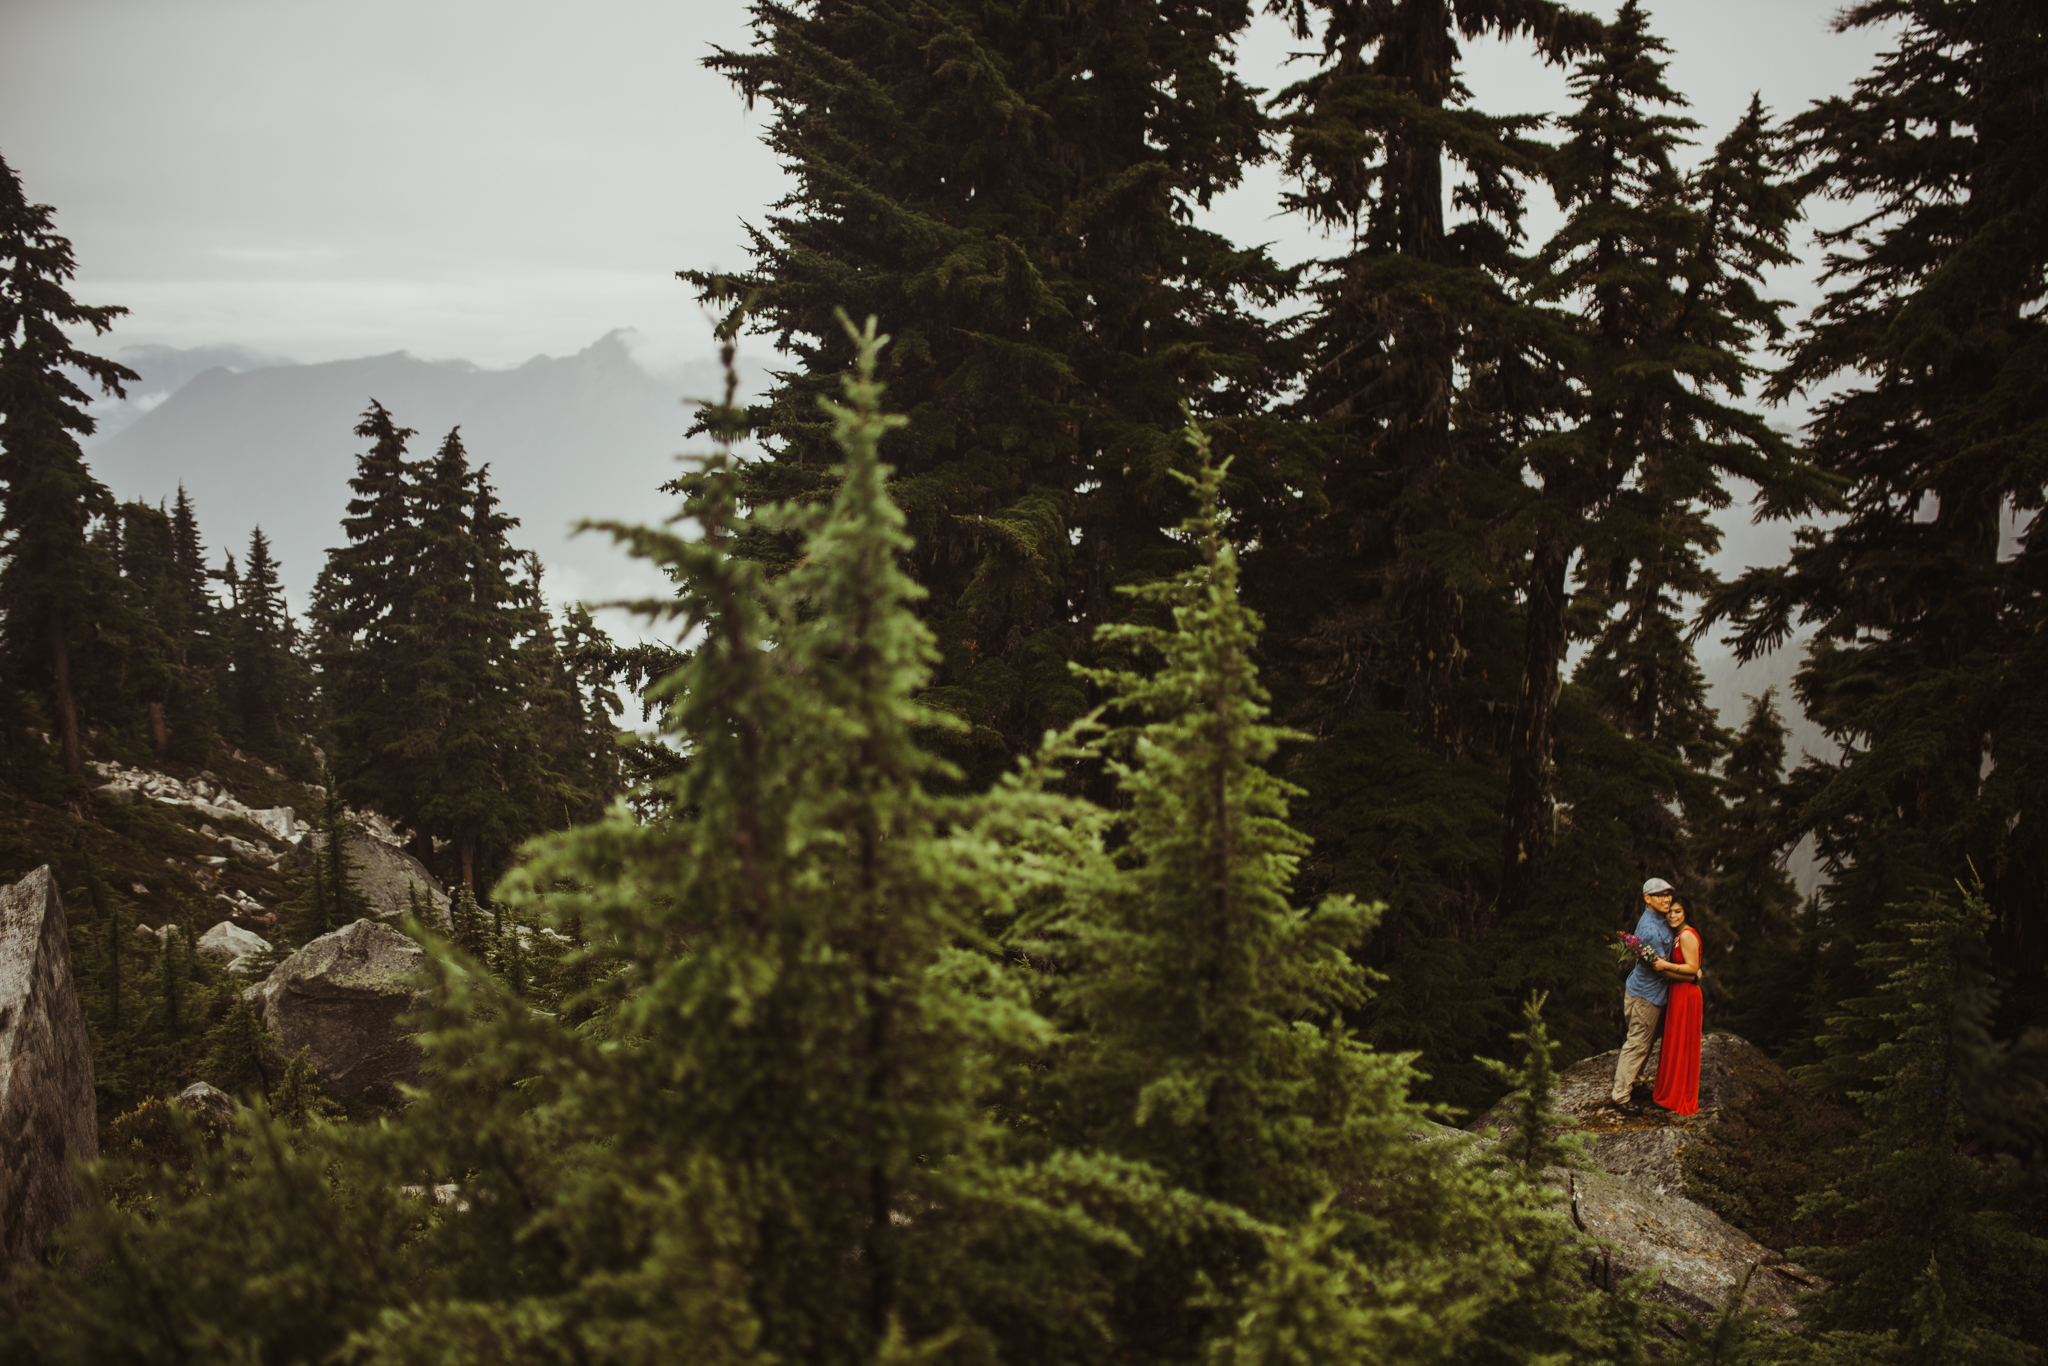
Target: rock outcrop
<point x="203" y="1100"/>
<point x="1634" y="1200"/>
<point x="385" y="874"/>
<point x="46" y="1079"/>
<point x="205" y="793"/>
<point x="231" y="944"/>
<point x="340" y="997"/>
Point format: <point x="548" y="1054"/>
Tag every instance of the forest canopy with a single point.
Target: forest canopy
<point x="1102" y="804"/>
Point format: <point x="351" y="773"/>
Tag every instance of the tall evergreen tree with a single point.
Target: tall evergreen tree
<point x="153" y="645"/>
<point x="1394" y="631"/>
<point x="470" y="705"/>
<point x="595" y="761"/>
<point x="268" y="696"/>
<point x="783" y="939"/>
<point x="1931" y="1265"/>
<point x="1203" y="1036"/>
<point x="1927" y="353"/>
<point x="52" y="584"/>
<point x="1014" y="186"/>
<point x="1663" y="271"/>
<point x="189" y="573"/>
<point x="423" y="617"/>
<point x="367" y="646"/>
<point x="1660" y="272"/>
<point x="1763" y="974"/>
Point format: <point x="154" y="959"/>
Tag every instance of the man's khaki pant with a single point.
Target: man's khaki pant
<point x="1642" y="1027"/>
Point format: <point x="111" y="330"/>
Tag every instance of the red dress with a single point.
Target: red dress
<point x="1678" y="1066"/>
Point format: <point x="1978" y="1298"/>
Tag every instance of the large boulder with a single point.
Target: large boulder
<point x="1649" y="1147"/>
<point x="46" y="1081"/>
<point x="230" y="943"/>
<point x="203" y="1100"/>
<point x="1632" y="1207"/>
<point x="341" y="997"/>
<point x="1698" y="1257"/>
<point x="385" y="874"/>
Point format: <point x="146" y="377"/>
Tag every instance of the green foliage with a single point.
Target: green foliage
<point x="1925" y="356"/>
<point x="269" y="697"/>
<point x="1759" y="1158"/>
<point x="1006" y="184"/>
<point x="467" y="928"/>
<point x="300" y="1099"/>
<point x="240" y="1052"/>
<point x="55" y="585"/>
<point x="1539" y="1139"/>
<point x="1738" y="1335"/>
<point x="1931" y="1264"/>
<point x="1203" y="1036"/>
<point x="1764" y="968"/>
<point x="452" y="709"/>
<point x="766" y="1124"/>
<point x="1396" y="637"/>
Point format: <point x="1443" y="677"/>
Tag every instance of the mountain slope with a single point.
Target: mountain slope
<point x="589" y="435"/>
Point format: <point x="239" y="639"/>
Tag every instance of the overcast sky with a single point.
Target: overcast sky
<point x="494" y="181"/>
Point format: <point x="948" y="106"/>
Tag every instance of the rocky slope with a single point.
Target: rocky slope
<point x="1630" y="1203"/>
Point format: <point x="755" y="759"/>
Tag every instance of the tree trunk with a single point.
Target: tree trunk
<point x="1525" y="837"/>
<point x="159" y="730"/>
<point x="468" y="847"/>
<point x="67" y="706"/>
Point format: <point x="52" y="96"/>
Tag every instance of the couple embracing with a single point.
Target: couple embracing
<point x="1664" y="988"/>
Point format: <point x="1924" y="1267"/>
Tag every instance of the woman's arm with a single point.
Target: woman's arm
<point x="1689" y="952"/>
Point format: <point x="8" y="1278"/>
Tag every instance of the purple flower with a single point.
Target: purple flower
<point x="1637" y="949"/>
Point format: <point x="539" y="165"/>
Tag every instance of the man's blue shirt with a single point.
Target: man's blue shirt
<point x="1643" y="982"/>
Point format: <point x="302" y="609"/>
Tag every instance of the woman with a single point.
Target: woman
<point x="1678" y="1066"/>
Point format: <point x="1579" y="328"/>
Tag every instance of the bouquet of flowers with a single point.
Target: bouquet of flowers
<point x="1634" y="950"/>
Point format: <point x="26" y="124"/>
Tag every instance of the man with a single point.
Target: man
<point x="1644" y="994"/>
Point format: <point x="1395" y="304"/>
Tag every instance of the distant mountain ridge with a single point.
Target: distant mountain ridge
<point x="592" y="435"/>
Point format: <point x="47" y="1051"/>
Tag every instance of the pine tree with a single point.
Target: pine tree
<point x="473" y="695"/>
<point x="1663" y="272"/>
<point x="1926" y="657"/>
<point x="368" y="646"/>
<point x="592" y="756"/>
<point x="1394" y="635"/>
<point x="1763" y="976"/>
<point x="300" y="1100"/>
<point x="1931" y="1265"/>
<point x="1660" y="273"/>
<point x="239" y="1051"/>
<point x="1203" y="1037"/>
<point x="1008" y="185"/>
<point x="435" y="710"/>
<point x="152" y="624"/>
<point x="53" y="587"/>
<point x="569" y="706"/>
<point x="325" y="896"/>
<point x="782" y="943"/>
<point x="268" y="701"/>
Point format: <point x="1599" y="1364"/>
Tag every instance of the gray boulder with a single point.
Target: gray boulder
<point x="278" y="822"/>
<point x="1697" y="1257"/>
<point x="46" y="1080"/>
<point x="383" y="873"/>
<point x="1648" y="1147"/>
<point x="208" y="1102"/>
<point x="341" y="997"/>
<point x="228" y="942"/>
<point x="1632" y="1207"/>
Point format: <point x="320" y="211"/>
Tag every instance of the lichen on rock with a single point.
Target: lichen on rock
<point x="47" y="1109"/>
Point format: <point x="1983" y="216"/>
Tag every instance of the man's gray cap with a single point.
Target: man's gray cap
<point x="1655" y="885"/>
